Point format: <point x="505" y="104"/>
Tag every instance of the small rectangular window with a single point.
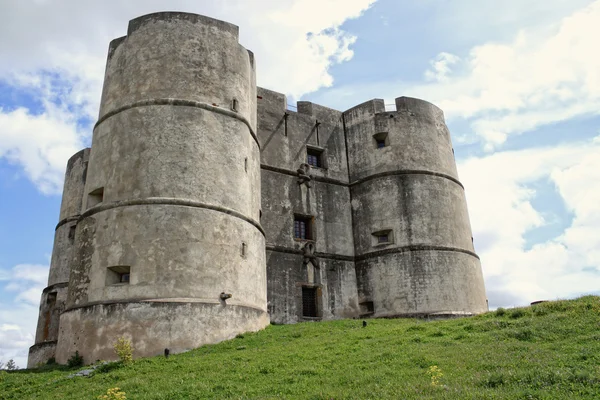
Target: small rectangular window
<point x="95" y="197"/>
<point x="118" y="274"/>
<point x="383" y="237"/>
<point x="314" y="157"/>
<point x="302" y="227"/>
<point x="51" y="299"/>
<point x="381" y="140"/>
<point x="72" y="233"/>
<point x="309" y="302"/>
<point x="366" y="308"/>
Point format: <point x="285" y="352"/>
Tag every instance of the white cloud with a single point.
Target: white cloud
<point x="542" y="76"/>
<point x="500" y="189"/>
<point x="40" y="144"/>
<point x="18" y="316"/>
<point x="440" y="67"/>
<point x="54" y="54"/>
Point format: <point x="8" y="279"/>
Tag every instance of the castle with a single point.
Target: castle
<point x="205" y="208"/>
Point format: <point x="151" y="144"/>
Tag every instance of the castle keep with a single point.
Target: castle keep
<point x="205" y="208"/>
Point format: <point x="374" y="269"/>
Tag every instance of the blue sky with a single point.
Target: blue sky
<point x="519" y="84"/>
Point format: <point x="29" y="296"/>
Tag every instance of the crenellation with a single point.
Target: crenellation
<point x="206" y="208"/>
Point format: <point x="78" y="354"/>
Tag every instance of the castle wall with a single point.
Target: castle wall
<point x="54" y="296"/>
<point x="414" y="251"/>
<point x="196" y="217"/>
<point x="285" y="136"/>
<point x="172" y="201"/>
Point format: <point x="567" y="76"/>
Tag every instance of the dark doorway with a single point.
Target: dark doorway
<point x="309" y="302"/>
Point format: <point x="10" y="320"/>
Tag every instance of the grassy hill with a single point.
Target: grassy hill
<point x="547" y="351"/>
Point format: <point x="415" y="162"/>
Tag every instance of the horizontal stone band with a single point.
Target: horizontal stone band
<point x="373" y="254"/>
<point x="67" y="220"/>
<point x="56" y="286"/>
<point x="160" y="302"/>
<point x="365" y="179"/>
<point x="180" y="102"/>
<point x="172" y="202"/>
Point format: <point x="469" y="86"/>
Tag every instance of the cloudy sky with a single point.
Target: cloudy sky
<point x="519" y="83"/>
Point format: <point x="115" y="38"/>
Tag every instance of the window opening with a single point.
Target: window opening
<point x="246" y="164"/>
<point x="314" y="157"/>
<point x="95" y="197"/>
<point x="383" y="237"/>
<point x="51" y="298"/>
<point x="72" y="233"/>
<point x="118" y="274"/>
<point x="309" y="302"/>
<point x="367" y="307"/>
<point x="234" y="105"/>
<point x="244" y="246"/>
<point x="302" y="227"/>
<point x="381" y="140"/>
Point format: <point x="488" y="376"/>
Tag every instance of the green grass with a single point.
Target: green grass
<point x="548" y="351"/>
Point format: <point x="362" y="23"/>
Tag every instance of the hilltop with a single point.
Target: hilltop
<point x="550" y="350"/>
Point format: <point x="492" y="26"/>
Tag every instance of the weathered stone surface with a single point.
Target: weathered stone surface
<point x="178" y="228"/>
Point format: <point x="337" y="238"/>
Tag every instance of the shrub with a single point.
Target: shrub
<point x="124" y="350"/>
<point x="524" y="334"/>
<point x="75" y="361"/>
<point x="500" y="312"/>
<point x="517" y="313"/>
<point x="113" y="394"/>
<point x="494" y="380"/>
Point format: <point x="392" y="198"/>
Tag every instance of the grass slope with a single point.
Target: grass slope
<point x="548" y="351"/>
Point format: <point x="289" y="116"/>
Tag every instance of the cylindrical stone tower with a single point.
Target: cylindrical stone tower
<point x="414" y="250"/>
<point x="55" y="295"/>
<point x="170" y="252"/>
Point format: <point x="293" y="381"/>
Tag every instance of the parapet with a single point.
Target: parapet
<point x="321" y="113"/>
<point x="419" y="108"/>
<point x="169" y="16"/>
<point x="271" y="100"/>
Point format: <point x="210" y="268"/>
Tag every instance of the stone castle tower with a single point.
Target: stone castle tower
<point x="205" y="208"/>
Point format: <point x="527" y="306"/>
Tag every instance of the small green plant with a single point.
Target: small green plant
<point x="124" y="350"/>
<point x="500" y="312"/>
<point x="517" y="313"/>
<point x="113" y="394"/>
<point x="436" y="374"/>
<point x="75" y="361"/>
<point x="494" y="380"/>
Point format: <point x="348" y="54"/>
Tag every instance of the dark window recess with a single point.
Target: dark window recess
<point x="309" y="302"/>
<point x="244" y="246"/>
<point x="234" y="105"/>
<point x="383" y="237"/>
<point x="314" y="157"/>
<point x="302" y="228"/>
<point x="118" y="274"/>
<point x="51" y="299"/>
<point x="381" y="140"/>
<point x="72" y="233"/>
<point x="367" y="307"/>
<point x="95" y="197"/>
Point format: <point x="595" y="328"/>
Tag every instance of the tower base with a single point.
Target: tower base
<point x="152" y="326"/>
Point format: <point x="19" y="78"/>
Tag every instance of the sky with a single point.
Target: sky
<point x="519" y="84"/>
